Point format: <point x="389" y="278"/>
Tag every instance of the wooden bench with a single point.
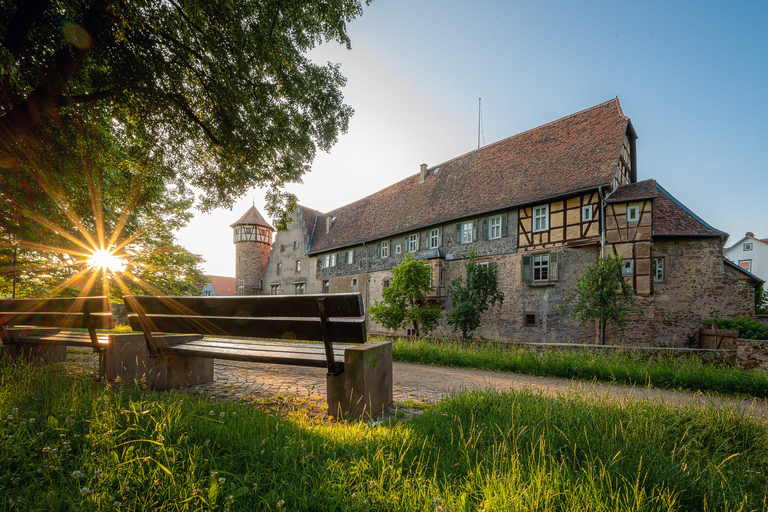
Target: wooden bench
<point x="359" y="379"/>
<point x="31" y="328"/>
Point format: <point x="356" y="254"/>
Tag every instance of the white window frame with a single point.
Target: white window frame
<point x="327" y="261"/>
<point x="659" y="264"/>
<point x="586" y="213"/>
<point x="385" y="249"/>
<point x="540" y="218"/>
<point x="298" y="266"/>
<point x="413" y="243"/>
<point x="540" y="266"/>
<point x="749" y="265"/>
<point x="274" y="289"/>
<point x="434" y="238"/>
<point x="633" y="213"/>
<point x="350" y="257"/>
<point x="466" y="232"/>
<point x="298" y="288"/>
<point x="333" y="260"/>
<point x="398" y="249"/>
<point x="628" y="267"/>
<point x="494" y="227"/>
<point x="747" y="246"/>
<point x="326" y="286"/>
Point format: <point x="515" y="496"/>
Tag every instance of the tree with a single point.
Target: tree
<point x="405" y="300"/>
<point x="602" y="294"/>
<point x="469" y="301"/>
<point x="221" y="94"/>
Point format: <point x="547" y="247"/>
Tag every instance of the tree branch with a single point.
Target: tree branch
<point x="180" y="102"/>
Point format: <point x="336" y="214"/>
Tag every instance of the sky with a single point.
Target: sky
<point x="691" y="76"/>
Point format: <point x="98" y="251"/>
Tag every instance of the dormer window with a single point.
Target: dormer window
<point x="747" y="246"/>
<point x="633" y="213"/>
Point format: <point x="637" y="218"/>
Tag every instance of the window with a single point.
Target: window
<point x="633" y="213"/>
<point x="466" y="232"/>
<point x="326" y="287"/>
<point x="384" y="250"/>
<point x="659" y="269"/>
<point x="354" y="282"/>
<point x="333" y="260"/>
<point x="237" y="231"/>
<point x="628" y="267"/>
<point x="434" y="239"/>
<point x="747" y="246"/>
<point x="398" y="249"/>
<point x="529" y="320"/>
<point x="279" y="268"/>
<point x="540" y="268"/>
<point x="746" y="265"/>
<point x="494" y="227"/>
<point x="442" y="278"/>
<point x="413" y="243"/>
<point x="586" y="213"/>
<point x="298" y="265"/>
<point x="282" y="247"/>
<point x="274" y="289"/>
<point x="298" y="288"/>
<point x="541" y="218"/>
<point x="295" y="244"/>
<point x="350" y="257"/>
<point x="327" y="261"/>
<point x="386" y="283"/>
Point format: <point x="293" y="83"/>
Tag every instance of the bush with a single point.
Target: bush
<point x="749" y="328"/>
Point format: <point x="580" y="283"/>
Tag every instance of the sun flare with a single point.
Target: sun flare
<point x="106" y="260"/>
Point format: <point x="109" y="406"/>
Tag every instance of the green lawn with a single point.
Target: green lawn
<point x="69" y="443"/>
<point x="686" y="373"/>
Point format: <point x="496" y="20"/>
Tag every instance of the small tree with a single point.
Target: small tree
<point x="602" y="294"/>
<point x="469" y="301"/>
<point x="405" y="300"/>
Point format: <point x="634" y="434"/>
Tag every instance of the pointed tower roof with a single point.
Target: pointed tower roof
<point x="252" y="216"/>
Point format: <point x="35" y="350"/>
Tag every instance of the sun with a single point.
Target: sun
<point x="106" y="260"/>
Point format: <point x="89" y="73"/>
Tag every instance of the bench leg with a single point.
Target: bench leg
<point x="35" y="352"/>
<point x="128" y="360"/>
<point x="364" y="390"/>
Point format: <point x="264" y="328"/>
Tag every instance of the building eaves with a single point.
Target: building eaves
<point x="750" y="274"/>
<point x="673" y="218"/>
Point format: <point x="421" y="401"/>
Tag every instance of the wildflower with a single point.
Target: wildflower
<point x="98" y="474"/>
<point x="439" y="508"/>
<point x="234" y="414"/>
<point x="46" y="449"/>
<point x="436" y="501"/>
<point x="231" y="498"/>
<point x="222" y="480"/>
<point x="210" y="413"/>
<point x="116" y="504"/>
<point x="160" y="438"/>
<point x="31" y="420"/>
<point x="86" y="491"/>
<point x="222" y="414"/>
<point x="280" y="503"/>
<point x="10" y="417"/>
<point x="77" y="474"/>
<point x="214" y="473"/>
<point x="125" y="487"/>
<point x="372" y="484"/>
<point x="15" y="410"/>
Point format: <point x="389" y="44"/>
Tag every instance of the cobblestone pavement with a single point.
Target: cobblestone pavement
<point x="303" y="387"/>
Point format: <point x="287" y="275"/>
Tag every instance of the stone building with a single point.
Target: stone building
<point x="252" y="236"/>
<point x="540" y="206"/>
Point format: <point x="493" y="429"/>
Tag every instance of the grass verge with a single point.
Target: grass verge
<point x="688" y="373"/>
<point x="68" y="443"/>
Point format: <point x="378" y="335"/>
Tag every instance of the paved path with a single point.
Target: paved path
<point x="304" y="387"/>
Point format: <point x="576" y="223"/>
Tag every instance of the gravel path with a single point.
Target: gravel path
<point x="303" y="387"/>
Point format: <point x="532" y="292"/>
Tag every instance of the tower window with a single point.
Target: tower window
<point x="279" y="268"/>
<point x="295" y="244"/>
<point x="298" y="265"/>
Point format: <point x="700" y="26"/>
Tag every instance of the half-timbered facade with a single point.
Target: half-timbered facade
<point x="539" y="206"/>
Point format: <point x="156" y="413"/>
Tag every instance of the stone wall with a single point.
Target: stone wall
<point x="752" y="354"/>
<point x="698" y="286"/>
<point x="251" y="260"/>
<point x="283" y="252"/>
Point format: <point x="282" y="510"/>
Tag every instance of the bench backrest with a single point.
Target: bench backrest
<point x="78" y="312"/>
<point x="331" y="318"/>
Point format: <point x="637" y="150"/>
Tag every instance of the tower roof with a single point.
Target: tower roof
<point x="252" y="216"/>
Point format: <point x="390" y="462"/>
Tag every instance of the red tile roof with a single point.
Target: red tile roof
<point x="670" y="216"/>
<point x="223" y="285"/>
<point x="252" y="216"/>
<point x="577" y="152"/>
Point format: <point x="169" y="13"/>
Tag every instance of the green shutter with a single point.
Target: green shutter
<point x="553" y="266"/>
<point x="440" y="236"/>
<point x="525" y="271"/>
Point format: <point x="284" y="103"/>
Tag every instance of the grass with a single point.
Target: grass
<point x="69" y="443"/>
<point x="688" y="373"/>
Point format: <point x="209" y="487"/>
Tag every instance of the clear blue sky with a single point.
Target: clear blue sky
<point x="692" y="77"/>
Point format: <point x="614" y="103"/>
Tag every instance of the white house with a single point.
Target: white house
<point x="751" y="254"/>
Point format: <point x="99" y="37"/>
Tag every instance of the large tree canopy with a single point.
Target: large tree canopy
<point x="222" y="93"/>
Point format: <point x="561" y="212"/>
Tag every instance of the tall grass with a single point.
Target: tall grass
<point x="68" y="443"/>
<point x="689" y="373"/>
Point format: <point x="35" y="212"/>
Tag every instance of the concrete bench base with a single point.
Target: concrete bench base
<point x="128" y="361"/>
<point x="35" y="352"/>
<point x="364" y="390"/>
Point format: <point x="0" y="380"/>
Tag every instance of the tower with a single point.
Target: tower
<point x="253" y="242"/>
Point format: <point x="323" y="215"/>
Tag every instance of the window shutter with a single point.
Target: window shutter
<point x="504" y="224"/>
<point x="485" y="235"/>
<point x="418" y="241"/>
<point x="440" y="236"/>
<point x="525" y="271"/>
<point x="458" y="233"/>
<point x="379" y="249"/>
<point x="474" y="230"/>
<point x="319" y="262"/>
<point x="553" y="266"/>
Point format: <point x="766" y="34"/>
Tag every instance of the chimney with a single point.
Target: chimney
<point x="423" y="173"/>
<point x="328" y="223"/>
<point x="750" y="234"/>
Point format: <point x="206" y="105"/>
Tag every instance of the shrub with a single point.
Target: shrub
<point x="749" y="328"/>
